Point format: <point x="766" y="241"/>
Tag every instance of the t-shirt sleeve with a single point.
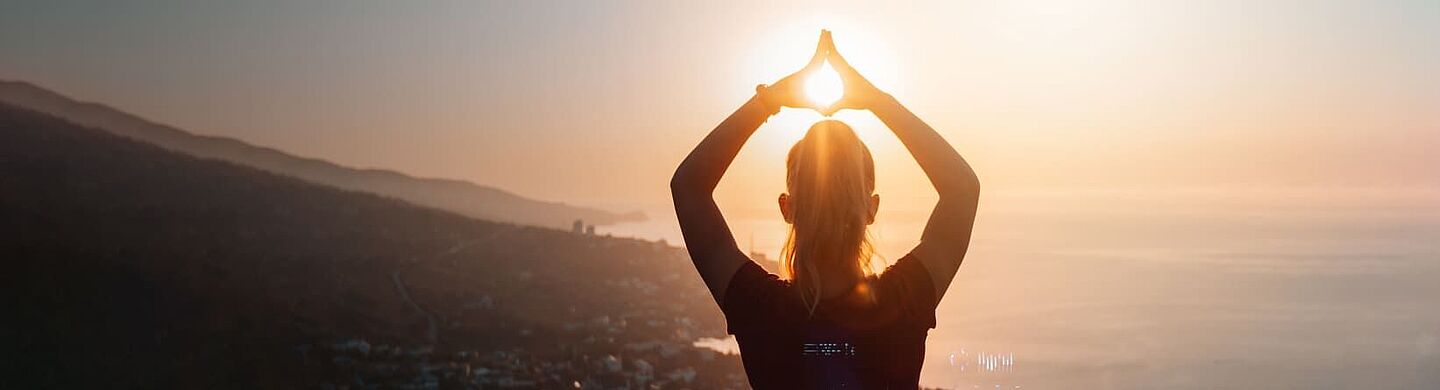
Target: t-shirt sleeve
<point x="908" y="287"/>
<point x="751" y="298"/>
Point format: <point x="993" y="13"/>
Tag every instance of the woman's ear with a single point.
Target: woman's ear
<point x="874" y="207"/>
<point x="785" y="208"/>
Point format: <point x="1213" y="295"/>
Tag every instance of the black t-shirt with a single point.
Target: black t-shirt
<point x="871" y="338"/>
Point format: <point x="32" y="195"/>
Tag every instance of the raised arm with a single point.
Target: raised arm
<point x="707" y="237"/>
<point x="947" y="234"/>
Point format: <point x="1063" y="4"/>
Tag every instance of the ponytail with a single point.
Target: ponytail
<point x="830" y="178"/>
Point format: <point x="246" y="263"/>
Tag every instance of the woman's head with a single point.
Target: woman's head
<point x="831" y="199"/>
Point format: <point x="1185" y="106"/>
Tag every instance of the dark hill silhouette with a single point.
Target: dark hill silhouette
<point x="452" y="195"/>
<point x="130" y="266"/>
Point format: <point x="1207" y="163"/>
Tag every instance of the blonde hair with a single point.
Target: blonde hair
<point x="830" y="178"/>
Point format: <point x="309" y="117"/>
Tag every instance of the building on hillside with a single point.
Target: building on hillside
<point x="611" y="363"/>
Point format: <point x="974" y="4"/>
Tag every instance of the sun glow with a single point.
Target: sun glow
<point x="823" y="86"/>
<point x="777" y="52"/>
<point x="785" y="49"/>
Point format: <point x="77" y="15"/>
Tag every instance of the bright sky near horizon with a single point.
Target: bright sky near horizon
<point x="596" y="102"/>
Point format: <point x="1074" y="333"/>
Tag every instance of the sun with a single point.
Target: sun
<point x="778" y="52"/>
<point x="782" y="50"/>
<point x="823" y="86"/>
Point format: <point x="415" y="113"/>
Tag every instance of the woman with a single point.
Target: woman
<point x="829" y="322"/>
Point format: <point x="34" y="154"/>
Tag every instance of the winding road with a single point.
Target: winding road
<point x="432" y="333"/>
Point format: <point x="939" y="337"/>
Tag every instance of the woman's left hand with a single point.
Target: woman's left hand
<point x="859" y="93"/>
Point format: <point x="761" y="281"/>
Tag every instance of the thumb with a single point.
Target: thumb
<point x="837" y="61"/>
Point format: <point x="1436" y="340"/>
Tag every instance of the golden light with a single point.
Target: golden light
<point x="778" y="52"/>
<point x="759" y="172"/>
<point x="823" y="87"/>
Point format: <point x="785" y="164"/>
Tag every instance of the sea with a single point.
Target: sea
<point x="1294" y="288"/>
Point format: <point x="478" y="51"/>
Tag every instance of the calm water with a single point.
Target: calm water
<point x="1296" y="289"/>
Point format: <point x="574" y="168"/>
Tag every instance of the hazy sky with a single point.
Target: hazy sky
<point x="596" y="102"/>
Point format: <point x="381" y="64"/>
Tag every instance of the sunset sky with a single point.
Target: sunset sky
<point x="596" y="102"/>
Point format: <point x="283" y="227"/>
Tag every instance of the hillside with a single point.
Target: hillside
<point x="452" y="195"/>
<point x="128" y="265"/>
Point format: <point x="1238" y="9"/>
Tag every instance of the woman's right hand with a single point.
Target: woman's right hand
<point x="790" y="90"/>
<point x="859" y="93"/>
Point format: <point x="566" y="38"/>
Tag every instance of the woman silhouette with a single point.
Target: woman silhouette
<point x="829" y="322"/>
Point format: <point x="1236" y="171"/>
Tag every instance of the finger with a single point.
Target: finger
<point x="827" y="42"/>
<point x="821" y="49"/>
<point x="837" y="60"/>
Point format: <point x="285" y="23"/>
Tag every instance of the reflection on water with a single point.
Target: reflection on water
<point x="986" y="362"/>
<point x="981" y="370"/>
<point x="1189" y="294"/>
<point x="965" y="362"/>
<point x="726" y="345"/>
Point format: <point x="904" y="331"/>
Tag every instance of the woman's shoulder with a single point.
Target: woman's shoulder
<point x="752" y="274"/>
<point x="752" y="283"/>
<point x="907" y="285"/>
<point x="908" y="266"/>
<point x="756" y="297"/>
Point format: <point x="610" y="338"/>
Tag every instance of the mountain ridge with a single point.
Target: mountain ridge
<point x="463" y="197"/>
<point x="143" y="267"/>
